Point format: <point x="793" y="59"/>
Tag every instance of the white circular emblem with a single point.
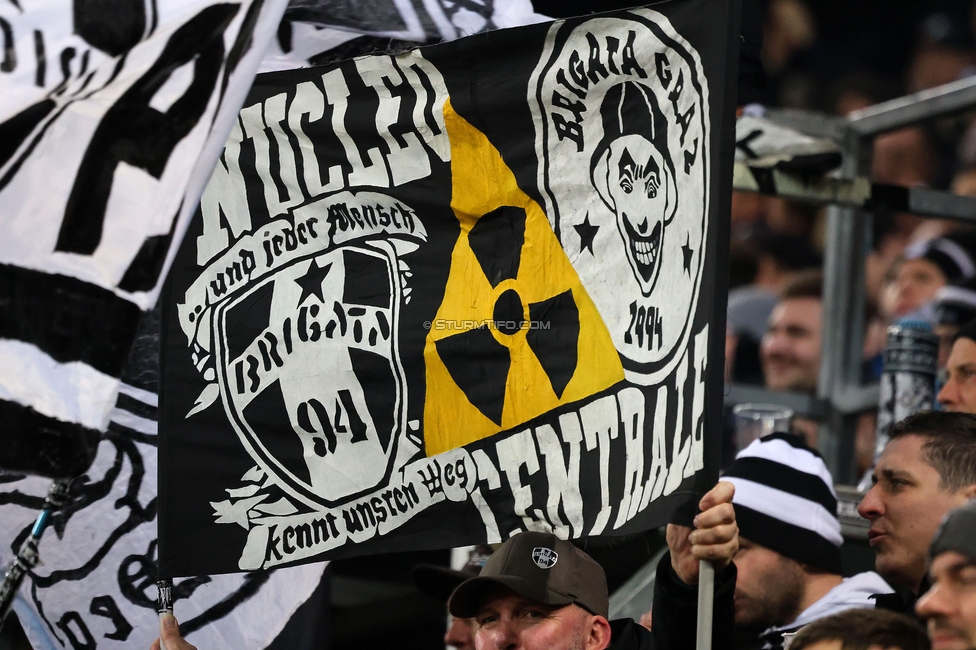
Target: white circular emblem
<point x="622" y="129"/>
<point x="544" y="558"/>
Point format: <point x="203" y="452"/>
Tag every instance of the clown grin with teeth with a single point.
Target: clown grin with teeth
<point x="634" y="175"/>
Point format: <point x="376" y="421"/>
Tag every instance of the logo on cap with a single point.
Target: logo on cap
<point x="544" y="558"/>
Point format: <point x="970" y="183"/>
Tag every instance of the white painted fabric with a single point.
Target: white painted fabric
<point x="95" y="565"/>
<point x="71" y="392"/>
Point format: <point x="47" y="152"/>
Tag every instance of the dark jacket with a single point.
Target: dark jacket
<point x="903" y="601"/>
<point x="675" y="614"/>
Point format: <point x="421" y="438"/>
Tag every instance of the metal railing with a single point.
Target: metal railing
<point x="841" y="393"/>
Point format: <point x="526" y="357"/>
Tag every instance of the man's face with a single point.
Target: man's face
<point x="905" y="506"/>
<point x="768" y="588"/>
<point x="959" y="388"/>
<point x="916" y="284"/>
<point x="460" y="633"/>
<point x="790" y="350"/>
<point x="510" y="621"/>
<point x="950" y="605"/>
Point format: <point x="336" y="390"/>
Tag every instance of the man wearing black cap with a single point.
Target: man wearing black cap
<point x="950" y="604"/>
<point x="538" y="592"/>
<point x="958" y="392"/>
<point x="789" y="568"/>
<point x="927" y="468"/>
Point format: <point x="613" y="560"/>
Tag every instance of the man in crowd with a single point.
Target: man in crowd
<point x="789" y="567"/>
<point x="927" y="267"/>
<point x="927" y="468"/>
<point x="537" y="592"/>
<point x="953" y="307"/>
<point x="862" y="629"/>
<point x="778" y="258"/>
<point x="950" y="603"/>
<point x="790" y="349"/>
<point x="958" y="392"/>
<point x="439" y="581"/>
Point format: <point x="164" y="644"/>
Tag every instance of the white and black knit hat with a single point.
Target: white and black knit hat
<point x="955" y="304"/>
<point x="785" y="500"/>
<point x="953" y="254"/>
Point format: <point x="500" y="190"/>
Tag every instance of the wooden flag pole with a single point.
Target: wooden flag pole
<point x="706" y="602"/>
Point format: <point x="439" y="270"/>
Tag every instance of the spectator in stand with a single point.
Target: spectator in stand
<point x="958" y="378"/>
<point x="540" y="593"/>
<point x="964" y="184"/>
<point x="789" y="567"/>
<point x="950" y="604"/>
<point x="790" y="349"/>
<point x="858" y="89"/>
<point x="927" y="267"/>
<point x="905" y="157"/>
<point x="944" y="52"/>
<point x="954" y="306"/>
<point x="439" y="581"/>
<point x="862" y="629"/>
<point x="780" y="257"/>
<point x="927" y="468"/>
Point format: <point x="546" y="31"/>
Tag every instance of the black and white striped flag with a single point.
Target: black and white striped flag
<point x="96" y="584"/>
<point x="112" y="114"/>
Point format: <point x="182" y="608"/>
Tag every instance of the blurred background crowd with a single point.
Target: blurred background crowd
<point x="837" y="58"/>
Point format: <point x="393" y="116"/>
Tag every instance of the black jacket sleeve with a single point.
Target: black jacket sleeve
<point x="675" y="613"/>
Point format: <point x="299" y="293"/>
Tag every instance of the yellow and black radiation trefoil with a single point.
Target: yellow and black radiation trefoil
<point x="516" y="334"/>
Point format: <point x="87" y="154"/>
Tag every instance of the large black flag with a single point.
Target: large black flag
<point x="437" y="298"/>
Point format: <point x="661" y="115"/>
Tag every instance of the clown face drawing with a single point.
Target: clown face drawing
<point x="623" y="133"/>
<point x="634" y="176"/>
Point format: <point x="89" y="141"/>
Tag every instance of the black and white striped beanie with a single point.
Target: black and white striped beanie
<point x="785" y="500"/>
<point x="955" y="304"/>
<point x="953" y="254"/>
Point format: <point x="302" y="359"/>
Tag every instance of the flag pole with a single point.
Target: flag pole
<point x="164" y="601"/>
<point x="706" y="602"/>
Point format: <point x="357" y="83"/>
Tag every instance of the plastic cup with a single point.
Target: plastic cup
<point x="753" y="421"/>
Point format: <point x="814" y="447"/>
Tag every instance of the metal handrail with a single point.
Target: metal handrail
<point x="941" y="101"/>
<point x="841" y="390"/>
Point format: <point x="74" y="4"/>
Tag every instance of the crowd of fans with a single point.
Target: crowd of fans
<point x="919" y="269"/>
<point x="771" y="524"/>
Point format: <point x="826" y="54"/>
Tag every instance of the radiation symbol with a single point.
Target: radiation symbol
<point x="516" y="334"/>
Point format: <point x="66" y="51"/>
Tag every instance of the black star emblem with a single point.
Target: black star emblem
<point x="311" y="282"/>
<point x="586" y="233"/>
<point x="687" y="251"/>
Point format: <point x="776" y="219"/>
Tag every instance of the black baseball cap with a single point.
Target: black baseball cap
<point x="541" y="567"/>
